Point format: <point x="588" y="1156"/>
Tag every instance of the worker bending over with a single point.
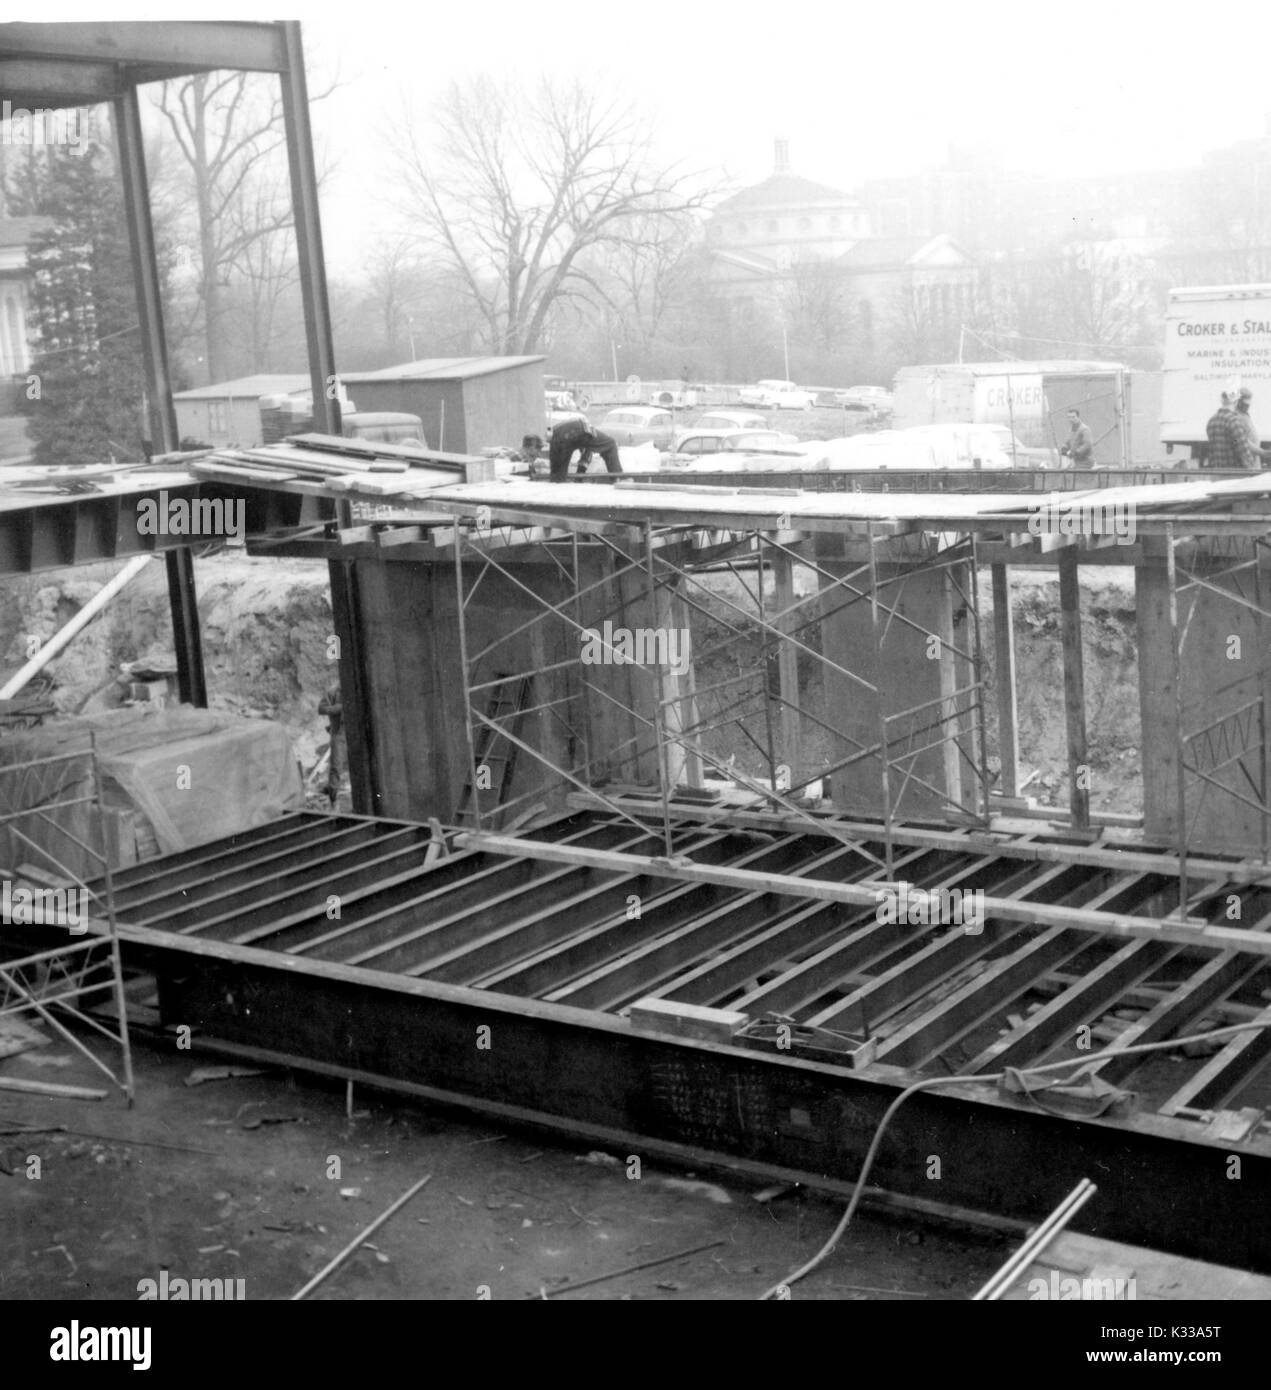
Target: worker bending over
<point x="577" y="436"/>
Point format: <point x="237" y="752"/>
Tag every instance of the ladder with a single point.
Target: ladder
<point x="495" y="752"/>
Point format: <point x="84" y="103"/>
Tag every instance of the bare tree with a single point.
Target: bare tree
<point x="228" y="129"/>
<point x="520" y="185"/>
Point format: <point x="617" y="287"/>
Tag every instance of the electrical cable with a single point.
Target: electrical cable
<point x="932" y="1082"/>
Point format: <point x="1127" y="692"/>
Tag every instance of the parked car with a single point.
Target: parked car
<point x="707" y="445"/>
<point x="383" y="427"/>
<point x="640" y="424"/>
<point x="731" y="420"/>
<point x="1023" y="455"/>
<point x="864" y="398"/>
<point x="962" y="446"/>
<point x="777" y="395"/>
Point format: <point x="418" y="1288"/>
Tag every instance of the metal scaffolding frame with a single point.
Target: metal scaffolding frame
<point x="60" y="977"/>
<point x="1238" y="736"/>
<point x="63" y="976"/>
<point x="953" y="719"/>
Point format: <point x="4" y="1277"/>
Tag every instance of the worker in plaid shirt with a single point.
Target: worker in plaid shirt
<point x="1223" y="452"/>
<point x="1248" y="444"/>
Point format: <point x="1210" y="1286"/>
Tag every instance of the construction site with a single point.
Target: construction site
<point x="688" y="858"/>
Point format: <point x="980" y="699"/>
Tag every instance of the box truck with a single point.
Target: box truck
<point x="1217" y="338"/>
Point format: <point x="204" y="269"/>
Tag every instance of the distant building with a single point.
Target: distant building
<point x="785" y="219"/>
<point x="16" y="234"/>
<point x="227" y="413"/>
<point x="788" y="239"/>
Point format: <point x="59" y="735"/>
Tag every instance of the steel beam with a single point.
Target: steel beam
<point x="998" y="1153"/>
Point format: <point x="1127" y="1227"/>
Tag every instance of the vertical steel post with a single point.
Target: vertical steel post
<point x="884" y="753"/>
<point x="664" y="762"/>
<point x="769" y="735"/>
<point x="977" y="664"/>
<point x="1004" y="671"/>
<point x="161" y="413"/>
<point x="304" y="204"/>
<point x="1171" y="575"/>
<point x="1074" y="686"/>
<point x="460" y="613"/>
<point x="788" y="669"/>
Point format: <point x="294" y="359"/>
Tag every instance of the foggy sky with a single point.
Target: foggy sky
<point x="860" y="91"/>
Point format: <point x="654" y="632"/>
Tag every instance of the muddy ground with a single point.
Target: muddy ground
<point x="237" y="1179"/>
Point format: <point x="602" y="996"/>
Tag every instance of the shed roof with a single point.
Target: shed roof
<point x="262" y="384"/>
<point x="442" y="369"/>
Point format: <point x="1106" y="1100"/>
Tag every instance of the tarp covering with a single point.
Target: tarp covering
<point x="172" y="778"/>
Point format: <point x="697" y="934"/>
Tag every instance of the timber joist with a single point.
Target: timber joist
<point x="746" y="996"/>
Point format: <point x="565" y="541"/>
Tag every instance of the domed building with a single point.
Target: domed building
<point x="784" y="219"/>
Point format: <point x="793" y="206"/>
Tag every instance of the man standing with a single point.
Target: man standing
<point x="1080" y="445"/>
<point x="1246" y="442"/>
<point x="1222" y="452"/>
<point x="577" y="436"/>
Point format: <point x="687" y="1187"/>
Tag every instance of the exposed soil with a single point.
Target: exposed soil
<point x="514" y="1213"/>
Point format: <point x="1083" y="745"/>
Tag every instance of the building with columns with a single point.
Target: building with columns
<point x="16" y="234"/>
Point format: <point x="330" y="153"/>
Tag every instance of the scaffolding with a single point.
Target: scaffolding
<point x="1218" y="755"/>
<point x="61" y="980"/>
<point x="674" y="565"/>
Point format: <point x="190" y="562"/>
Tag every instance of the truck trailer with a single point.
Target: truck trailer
<point x="1029" y="398"/>
<point x="1217" y="338"/>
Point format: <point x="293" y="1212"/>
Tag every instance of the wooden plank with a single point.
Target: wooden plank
<point x="50" y="1088"/>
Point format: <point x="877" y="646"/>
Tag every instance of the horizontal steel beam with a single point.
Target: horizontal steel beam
<point x="1183" y="933"/>
<point x="998" y="1153"/>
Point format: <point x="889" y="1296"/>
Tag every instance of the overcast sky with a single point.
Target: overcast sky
<point x="860" y="90"/>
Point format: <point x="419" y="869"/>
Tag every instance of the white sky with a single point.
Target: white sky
<point x="859" y="90"/>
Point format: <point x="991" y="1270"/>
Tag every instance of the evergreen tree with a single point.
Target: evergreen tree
<point x="86" y="405"/>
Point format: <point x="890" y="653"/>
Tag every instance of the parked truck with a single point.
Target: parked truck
<point x="1028" y="399"/>
<point x="1217" y="338"/>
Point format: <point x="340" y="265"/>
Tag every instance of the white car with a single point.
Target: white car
<point x="640" y="424"/>
<point x="705" y="447"/>
<point x="771" y="394"/>
<point x="962" y="446"/>
<point x="731" y="420"/>
<point x="864" y="398"/>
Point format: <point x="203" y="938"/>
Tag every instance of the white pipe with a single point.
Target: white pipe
<point x="72" y="629"/>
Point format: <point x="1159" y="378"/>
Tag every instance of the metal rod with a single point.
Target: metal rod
<point x="358" y="1240"/>
<point x="1036" y="1242"/>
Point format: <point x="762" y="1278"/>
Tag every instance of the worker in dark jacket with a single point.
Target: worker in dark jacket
<point x="577" y="436"/>
<point x="1080" y="445"/>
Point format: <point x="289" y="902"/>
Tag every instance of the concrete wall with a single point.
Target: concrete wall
<point x="415" y="681"/>
<point x="931" y="783"/>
